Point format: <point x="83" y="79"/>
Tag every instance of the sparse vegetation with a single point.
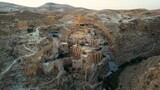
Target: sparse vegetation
<point x="66" y="48"/>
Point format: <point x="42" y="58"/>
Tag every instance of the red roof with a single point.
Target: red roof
<point x="76" y="58"/>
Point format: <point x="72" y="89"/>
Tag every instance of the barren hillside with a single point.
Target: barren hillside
<point x="62" y="47"/>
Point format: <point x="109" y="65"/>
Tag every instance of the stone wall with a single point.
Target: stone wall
<point x="106" y="32"/>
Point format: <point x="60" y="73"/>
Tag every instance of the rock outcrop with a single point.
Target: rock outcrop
<point x="142" y="76"/>
<point x="137" y="37"/>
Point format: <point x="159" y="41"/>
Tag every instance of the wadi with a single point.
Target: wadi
<point x="61" y="47"/>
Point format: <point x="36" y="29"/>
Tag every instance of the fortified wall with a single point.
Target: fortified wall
<point x="33" y="63"/>
<point x="106" y="32"/>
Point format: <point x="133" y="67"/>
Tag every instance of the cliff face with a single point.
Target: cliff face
<point x="135" y="32"/>
<point x="130" y="33"/>
<point x="137" y="37"/>
<point x="142" y="76"/>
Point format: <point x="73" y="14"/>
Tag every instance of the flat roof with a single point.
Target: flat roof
<point x="64" y="43"/>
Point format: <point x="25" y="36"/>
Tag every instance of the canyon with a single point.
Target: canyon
<point x="60" y="47"/>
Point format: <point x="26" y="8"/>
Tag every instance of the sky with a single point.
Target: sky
<point x="94" y="4"/>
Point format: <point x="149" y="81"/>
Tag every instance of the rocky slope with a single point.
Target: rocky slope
<point x="142" y="76"/>
<point x="48" y="7"/>
<point x="9" y="7"/>
<point x="55" y="7"/>
<point x="136" y="34"/>
<point x="137" y="37"/>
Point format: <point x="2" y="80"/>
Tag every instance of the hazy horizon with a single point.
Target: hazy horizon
<point x="92" y="4"/>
